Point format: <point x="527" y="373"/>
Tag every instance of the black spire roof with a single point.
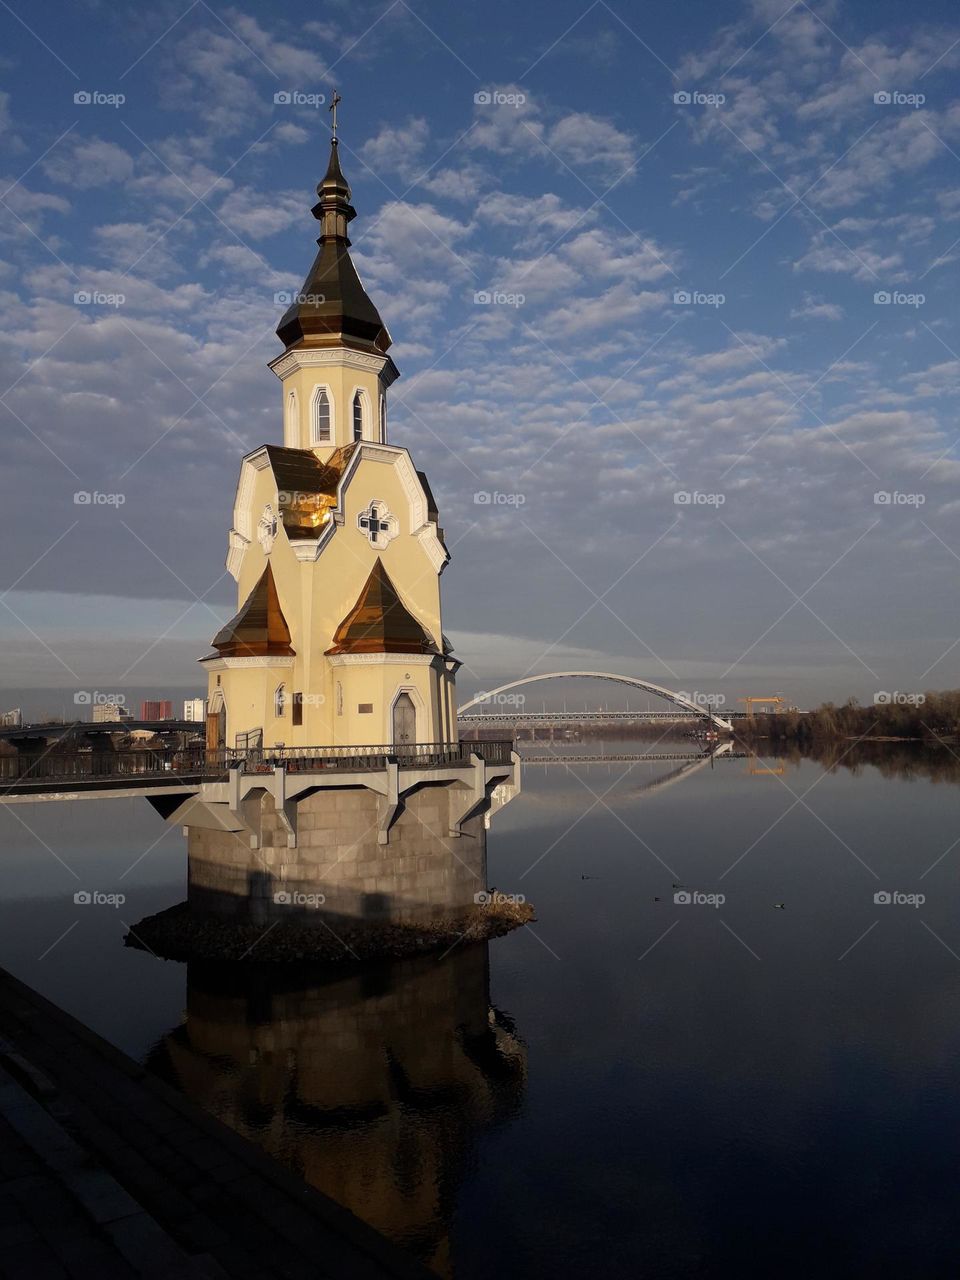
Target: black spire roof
<point x="333" y="303"/>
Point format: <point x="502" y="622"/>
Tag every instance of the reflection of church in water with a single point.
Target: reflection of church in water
<point x="373" y="1086"/>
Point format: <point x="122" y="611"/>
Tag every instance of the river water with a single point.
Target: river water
<point x="760" y="1077"/>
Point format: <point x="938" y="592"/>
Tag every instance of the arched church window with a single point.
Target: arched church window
<point x="358" y="416"/>
<point x="322" y="417"/>
<point x="280" y="701"/>
<point x="292" y="417"/>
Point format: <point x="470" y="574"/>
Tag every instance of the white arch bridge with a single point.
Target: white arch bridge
<point x="678" y="699"/>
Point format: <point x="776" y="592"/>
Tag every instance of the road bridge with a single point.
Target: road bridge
<point x="681" y="700"/>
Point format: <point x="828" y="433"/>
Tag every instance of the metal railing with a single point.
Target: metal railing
<point x="198" y="764"/>
<point x="376" y="756"/>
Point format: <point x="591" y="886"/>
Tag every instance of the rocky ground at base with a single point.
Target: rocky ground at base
<point x="180" y="934"/>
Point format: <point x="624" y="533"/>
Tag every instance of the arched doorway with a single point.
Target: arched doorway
<point x="404" y="720"/>
<point x="216" y="722"/>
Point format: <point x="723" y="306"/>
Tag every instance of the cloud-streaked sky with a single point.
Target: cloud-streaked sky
<point x="588" y="165"/>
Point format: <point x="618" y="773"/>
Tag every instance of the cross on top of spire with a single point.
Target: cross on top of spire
<point x="334" y="103"/>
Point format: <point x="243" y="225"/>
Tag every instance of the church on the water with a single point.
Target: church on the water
<point x="336" y="546"/>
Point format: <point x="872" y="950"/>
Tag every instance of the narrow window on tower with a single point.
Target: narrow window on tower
<point x="383" y="419"/>
<point x="291" y="432"/>
<point x="280" y="702"/>
<point x="322" y="432"/>
<point x="358" y="416"/>
<point x="298" y="708"/>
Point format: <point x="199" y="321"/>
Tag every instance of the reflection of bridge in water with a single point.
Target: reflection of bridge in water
<point x="688" y="764"/>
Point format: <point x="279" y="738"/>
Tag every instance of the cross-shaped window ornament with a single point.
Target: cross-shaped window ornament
<point x="378" y="524"/>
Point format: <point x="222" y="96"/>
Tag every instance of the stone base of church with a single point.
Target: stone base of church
<point x="339" y="869"/>
<point x="339" y="864"/>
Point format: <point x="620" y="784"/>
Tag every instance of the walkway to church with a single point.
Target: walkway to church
<point x="105" y="1171"/>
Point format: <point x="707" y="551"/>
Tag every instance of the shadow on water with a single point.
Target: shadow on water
<point x="373" y="1086"/>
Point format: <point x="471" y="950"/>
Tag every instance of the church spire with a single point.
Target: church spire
<point x="333" y="210"/>
<point x="333" y="304"/>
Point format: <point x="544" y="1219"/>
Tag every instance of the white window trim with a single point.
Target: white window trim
<point x="292" y="419"/>
<point x="365" y="425"/>
<point x="314" y="397"/>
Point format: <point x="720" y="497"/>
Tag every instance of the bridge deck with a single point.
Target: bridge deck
<point x="107" y="1171"/>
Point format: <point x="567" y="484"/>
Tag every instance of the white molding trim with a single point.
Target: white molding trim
<point x="236" y="547"/>
<point x="366" y="417"/>
<point x="219" y="663"/>
<point x="330" y="443"/>
<point x="382" y="659"/>
<point x="385" y="516"/>
<point x="346" y="357"/>
<point x="291" y="419"/>
<point x="242" y="533"/>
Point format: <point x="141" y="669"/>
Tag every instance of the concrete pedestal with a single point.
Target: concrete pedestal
<point x="340" y="869"/>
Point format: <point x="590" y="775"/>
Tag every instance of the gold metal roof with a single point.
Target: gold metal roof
<point x="259" y="628"/>
<point x="380" y="622"/>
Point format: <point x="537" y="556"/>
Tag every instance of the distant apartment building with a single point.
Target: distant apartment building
<point x="11" y="719"/>
<point x="110" y="713"/>
<point x="162" y="709"/>
<point x="195" y="710"/>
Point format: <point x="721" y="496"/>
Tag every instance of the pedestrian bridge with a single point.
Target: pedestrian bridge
<point x="678" y="699"/>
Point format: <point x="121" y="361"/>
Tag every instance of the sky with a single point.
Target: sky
<point x="672" y="293"/>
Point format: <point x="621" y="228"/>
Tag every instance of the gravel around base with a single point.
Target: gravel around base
<point x="179" y="934"/>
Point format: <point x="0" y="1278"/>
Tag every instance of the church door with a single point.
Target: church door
<point x="404" y="720"/>
<point x="216" y="723"/>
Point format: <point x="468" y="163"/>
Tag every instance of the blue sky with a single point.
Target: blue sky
<point x="690" y="219"/>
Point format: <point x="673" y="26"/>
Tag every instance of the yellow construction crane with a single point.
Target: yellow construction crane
<point x="775" y="701"/>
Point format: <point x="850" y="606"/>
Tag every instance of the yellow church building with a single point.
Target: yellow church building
<point x="336" y="788"/>
<point x="336" y="546"/>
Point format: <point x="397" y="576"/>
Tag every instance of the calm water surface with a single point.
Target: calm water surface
<point x="632" y="1086"/>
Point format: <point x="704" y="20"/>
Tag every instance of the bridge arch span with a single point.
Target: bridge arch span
<point x="647" y="686"/>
